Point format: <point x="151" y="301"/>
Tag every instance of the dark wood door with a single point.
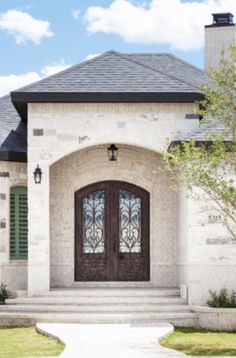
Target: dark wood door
<point x="112" y="232"/>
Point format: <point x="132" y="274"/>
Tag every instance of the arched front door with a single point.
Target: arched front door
<point x="112" y="232"/>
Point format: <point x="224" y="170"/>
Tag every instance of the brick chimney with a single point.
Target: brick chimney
<point x="218" y="36"/>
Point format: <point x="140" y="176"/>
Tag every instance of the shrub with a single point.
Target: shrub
<point x="4" y="294"/>
<point x="222" y="299"/>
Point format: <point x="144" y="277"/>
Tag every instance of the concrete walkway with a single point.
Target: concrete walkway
<point x="111" y="340"/>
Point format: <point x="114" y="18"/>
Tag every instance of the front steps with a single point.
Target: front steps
<point x="100" y="305"/>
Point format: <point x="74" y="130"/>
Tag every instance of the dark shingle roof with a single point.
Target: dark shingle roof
<point x="13" y="133"/>
<point x="9" y="118"/>
<point x="16" y="141"/>
<point x="205" y="130"/>
<point x="115" y="72"/>
<point x="172" y="66"/>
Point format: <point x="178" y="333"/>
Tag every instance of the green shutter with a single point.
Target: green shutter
<point x="18" y="223"/>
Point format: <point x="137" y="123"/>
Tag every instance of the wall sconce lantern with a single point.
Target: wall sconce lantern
<point x="37" y="175"/>
<point x="112" y="152"/>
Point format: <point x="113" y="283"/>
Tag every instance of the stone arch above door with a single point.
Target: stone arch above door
<point x="134" y="165"/>
<point x="112" y="232"/>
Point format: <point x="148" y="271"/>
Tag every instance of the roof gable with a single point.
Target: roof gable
<point x="114" y="72"/>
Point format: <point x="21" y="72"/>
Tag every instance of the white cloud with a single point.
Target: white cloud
<point x="29" y="6"/>
<point x="23" y="27"/>
<point x="76" y="13"/>
<point x="54" y="68"/>
<point x="92" y="55"/>
<point x="12" y="82"/>
<point x="179" y="24"/>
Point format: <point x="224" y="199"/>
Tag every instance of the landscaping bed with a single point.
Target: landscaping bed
<point x="194" y="341"/>
<point x="26" y="342"/>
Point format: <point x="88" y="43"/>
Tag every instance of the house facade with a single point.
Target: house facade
<point x="71" y="215"/>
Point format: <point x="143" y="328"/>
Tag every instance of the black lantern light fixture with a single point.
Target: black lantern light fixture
<point x="112" y="152"/>
<point x="37" y="175"/>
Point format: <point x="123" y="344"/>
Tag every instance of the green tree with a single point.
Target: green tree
<point x="210" y="165"/>
<point x="220" y="94"/>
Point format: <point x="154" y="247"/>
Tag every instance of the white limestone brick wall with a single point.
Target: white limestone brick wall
<point x="72" y="154"/>
<point x="12" y="272"/>
<point x="68" y="128"/>
<point x="216" y="40"/>
<point x="182" y="235"/>
<point x="211" y="251"/>
<point x="134" y="165"/>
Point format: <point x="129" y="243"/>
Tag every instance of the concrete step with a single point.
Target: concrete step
<point x="78" y="300"/>
<point x="100" y="305"/>
<point x="25" y="318"/>
<point x="95" y="308"/>
<point x="111" y="284"/>
<point x="114" y="291"/>
<point x="101" y="287"/>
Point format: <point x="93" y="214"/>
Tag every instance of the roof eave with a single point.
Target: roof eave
<point x="20" y="99"/>
<point x="12" y="156"/>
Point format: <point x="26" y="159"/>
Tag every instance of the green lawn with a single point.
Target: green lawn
<point x="201" y="342"/>
<point x="26" y="342"/>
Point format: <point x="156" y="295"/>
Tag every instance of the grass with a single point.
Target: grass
<point x="26" y="342"/>
<point x="194" y="341"/>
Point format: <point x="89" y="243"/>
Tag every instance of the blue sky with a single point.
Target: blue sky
<point x="71" y="30"/>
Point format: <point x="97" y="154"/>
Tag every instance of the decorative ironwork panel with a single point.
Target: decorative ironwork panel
<point x="129" y="223"/>
<point x="94" y="222"/>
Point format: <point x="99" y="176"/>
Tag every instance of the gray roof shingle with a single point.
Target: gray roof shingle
<point x="16" y="141"/>
<point x="172" y="66"/>
<point x="205" y="130"/>
<point x="114" y="72"/>
<point x="9" y="118"/>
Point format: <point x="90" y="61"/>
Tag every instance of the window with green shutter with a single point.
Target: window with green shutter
<point x="18" y="223"/>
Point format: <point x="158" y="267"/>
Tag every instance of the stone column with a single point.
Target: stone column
<point x="183" y="237"/>
<point x="39" y="231"/>
<point x="4" y="219"/>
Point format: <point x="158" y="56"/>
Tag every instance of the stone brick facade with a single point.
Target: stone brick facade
<point x="69" y="142"/>
<point x="70" y="128"/>
<point x="216" y="40"/>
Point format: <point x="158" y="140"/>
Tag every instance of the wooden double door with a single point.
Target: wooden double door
<point x="112" y="232"/>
